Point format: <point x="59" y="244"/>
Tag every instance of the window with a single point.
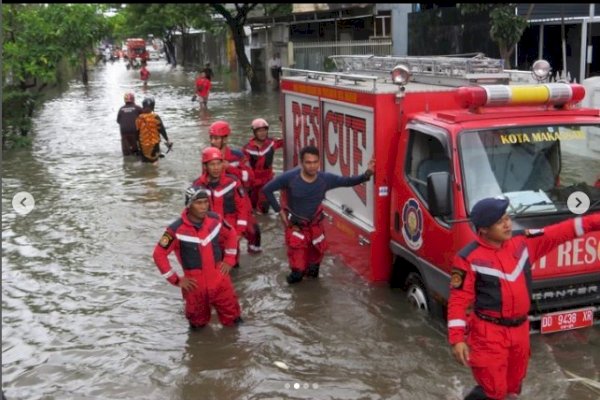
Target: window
<point x="383" y="24"/>
<point x="426" y="154"/>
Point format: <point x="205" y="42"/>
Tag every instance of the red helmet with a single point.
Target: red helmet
<point x="129" y="97"/>
<point x="211" y="153"/>
<point x="259" y="123"/>
<point x="219" y="128"/>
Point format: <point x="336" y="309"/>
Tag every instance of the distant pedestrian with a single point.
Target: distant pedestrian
<point x="203" y="86"/>
<point x="208" y="71"/>
<point x="275" y="67"/>
<point x="144" y="73"/>
<point x="304" y="190"/>
<point x="206" y="248"/>
<point x="126" y="119"/>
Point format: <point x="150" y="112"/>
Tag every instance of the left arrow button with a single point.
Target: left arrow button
<point x="23" y="203"/>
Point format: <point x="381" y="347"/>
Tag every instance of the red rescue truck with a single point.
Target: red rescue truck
<point x="136" y="51"/>
<point x="445" y="133"/>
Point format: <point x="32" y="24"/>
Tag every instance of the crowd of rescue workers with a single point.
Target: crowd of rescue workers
<point x="491" y="276"/>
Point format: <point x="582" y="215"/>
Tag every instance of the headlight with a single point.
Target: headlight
<point x="400" y="75"/>
<point x="540" y="70"/>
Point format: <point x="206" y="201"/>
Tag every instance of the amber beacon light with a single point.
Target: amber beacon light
<point x="519" y="95"/>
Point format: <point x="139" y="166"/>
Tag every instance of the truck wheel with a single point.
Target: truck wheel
<point x="416" y="293"/>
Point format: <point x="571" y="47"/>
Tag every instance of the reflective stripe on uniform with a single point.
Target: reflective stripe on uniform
<point x="203" y="242"/>
<point x="167" y="275"/>
<point x="260" y="152"/>
<point x="578" y="226"/>
<point x="234" y="163"/>
<point x="245" y="176"/>
<point x="456" y="323"/>
<point x="232" y="252"/>
<point x="298" y="234"/>
<point x="242" y="222"/>
<point x="499" y="274"/>
<point x="319" y="239"/>
<point x="219" y="193"/>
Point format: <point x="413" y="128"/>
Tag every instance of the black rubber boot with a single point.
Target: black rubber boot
<point x="294" y="277"/>
<point x="476" y="393"/>
<point x="313" y="270"/>
<point x="238" y="321"/>
<point x="196" y="327"/>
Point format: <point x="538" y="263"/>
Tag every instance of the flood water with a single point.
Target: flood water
<point x="87" y="315"/>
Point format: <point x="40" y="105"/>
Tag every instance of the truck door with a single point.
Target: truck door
<point x="427" y="151"/>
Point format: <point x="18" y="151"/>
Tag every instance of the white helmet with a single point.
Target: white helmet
<point x="259" y="123"/>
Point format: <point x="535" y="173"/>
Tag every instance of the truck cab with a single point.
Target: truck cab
<point x="445" y="133"/>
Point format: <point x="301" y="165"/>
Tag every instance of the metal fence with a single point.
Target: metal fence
<point x="314" y="56"/>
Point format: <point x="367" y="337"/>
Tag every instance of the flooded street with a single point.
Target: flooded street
<point x="87" y="315"/>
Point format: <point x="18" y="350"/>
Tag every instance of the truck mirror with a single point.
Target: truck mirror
<point x="438" y="194"/>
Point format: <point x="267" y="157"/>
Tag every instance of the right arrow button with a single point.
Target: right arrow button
<point x="578" y="203"/>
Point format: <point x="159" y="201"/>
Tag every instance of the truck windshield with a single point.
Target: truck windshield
<point x="536" y="167"/>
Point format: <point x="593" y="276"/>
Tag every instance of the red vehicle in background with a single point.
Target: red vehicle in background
<point x="136" y="52"/>
<point x="447" y="132"/>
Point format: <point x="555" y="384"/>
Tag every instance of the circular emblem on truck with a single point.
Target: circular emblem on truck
<point x="412" y="224"/>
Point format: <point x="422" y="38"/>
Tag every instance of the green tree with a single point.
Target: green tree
<point x="30" y="58"/>
<point x="79" y="28"/>
<point x="36" y="38"/>
<point x="506" y="27"/>
<point x="163" y="21"/>
<point x="236" y="19"/>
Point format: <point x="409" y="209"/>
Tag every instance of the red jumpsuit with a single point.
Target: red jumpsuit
<point x="496" y="282"/>
<point x="305" y="240"/>
<point x="261" y="160"/>
<point x="239" y="168"/>
<point x="227" y="198"/>
<point x="200" y="251"/>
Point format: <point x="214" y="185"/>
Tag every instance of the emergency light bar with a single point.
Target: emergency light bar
<point x="519" y="95"/>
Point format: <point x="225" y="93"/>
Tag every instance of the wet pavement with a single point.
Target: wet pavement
<point x="86" y="314"/>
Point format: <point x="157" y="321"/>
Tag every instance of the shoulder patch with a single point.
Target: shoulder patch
<point x="166" y="240"/>
<point x="533" y="232"/>
<point x="468" y="249"/>
<point x="457" y="278"/>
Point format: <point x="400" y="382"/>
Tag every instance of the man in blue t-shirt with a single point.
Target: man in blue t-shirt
<point x="304" y="190"/>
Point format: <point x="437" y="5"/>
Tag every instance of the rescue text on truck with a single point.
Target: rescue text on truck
<point x="455" y="131"/>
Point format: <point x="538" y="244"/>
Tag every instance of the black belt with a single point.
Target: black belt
<point x="304" y="222"/>
<point x="512" y="322"/>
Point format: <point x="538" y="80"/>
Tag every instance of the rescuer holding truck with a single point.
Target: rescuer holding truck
<point x="305" y="189"/>
<point x="493" y="276"/>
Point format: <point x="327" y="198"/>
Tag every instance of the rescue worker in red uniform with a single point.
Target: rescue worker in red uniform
<point x="226" y="194"/>
<point x="493" y="276"/>
<point x="235" y="164"/>
<point x="205" y="246"/>
<point x="260" y="151"/>
<point x="304" y="189"/>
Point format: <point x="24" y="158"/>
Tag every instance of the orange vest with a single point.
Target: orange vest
<point x="147" y="124"/>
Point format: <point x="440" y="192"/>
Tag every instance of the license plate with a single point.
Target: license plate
<point x="567" y="320"/>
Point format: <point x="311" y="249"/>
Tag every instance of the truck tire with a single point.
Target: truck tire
<point x="416" y="292"/>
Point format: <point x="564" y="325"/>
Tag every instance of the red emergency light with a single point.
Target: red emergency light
<point x="519" y="95"/>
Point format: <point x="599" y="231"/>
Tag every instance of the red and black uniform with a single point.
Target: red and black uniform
<point x="228" y="199"/>
<point x="200" y="249"/>
<point x="239" y="168"/>
<point x="496" y="282"/>
<point x="261" y="158"/>
<point x="129" y="135"/>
